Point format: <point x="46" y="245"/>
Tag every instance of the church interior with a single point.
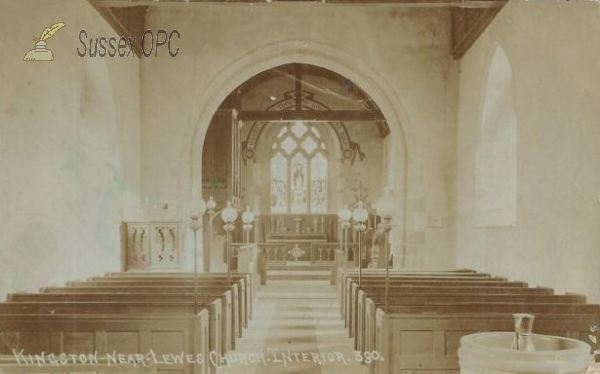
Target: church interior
<point x="280" y="186"/>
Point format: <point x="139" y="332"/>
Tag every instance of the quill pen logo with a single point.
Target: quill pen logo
<point x="40" y="53"/>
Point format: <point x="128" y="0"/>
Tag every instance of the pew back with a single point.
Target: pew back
<point x="425" y="343"/>
<point x="173" y="334"/>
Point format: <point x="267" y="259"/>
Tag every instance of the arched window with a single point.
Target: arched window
<point x="496" y="157"/>
<point x="299" y="170"/>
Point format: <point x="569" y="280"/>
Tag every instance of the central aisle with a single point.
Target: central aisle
<point x="297" y="328"/>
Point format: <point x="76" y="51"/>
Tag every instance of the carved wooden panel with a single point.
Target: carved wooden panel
<point x="154" y="245"/>
<point x="138" y="246"/>
<point x="165" y="245"/>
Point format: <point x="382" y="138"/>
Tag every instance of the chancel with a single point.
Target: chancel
<point x="311" y="187"/>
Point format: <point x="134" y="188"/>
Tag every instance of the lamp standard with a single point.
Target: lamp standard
<point x="247" y="219"/>
<point x="385" y="209"/>
<point x="197" y="208"/>
<point x="345" y="215"/>
<point x="229" y="215"/>
<point x="211" y="205"/>
<point x="360" y="215"/>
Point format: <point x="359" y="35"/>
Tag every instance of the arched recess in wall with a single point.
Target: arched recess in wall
<point x="496" y="157"/>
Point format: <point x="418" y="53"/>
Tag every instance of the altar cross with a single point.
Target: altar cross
<point x="298" y="221"/>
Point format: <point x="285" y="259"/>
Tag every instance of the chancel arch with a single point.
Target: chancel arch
<point x="307" y="167"/>
<point x="272" y="55"/>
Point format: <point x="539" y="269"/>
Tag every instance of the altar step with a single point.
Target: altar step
<point x="299" y="270"/>
<point x="298" y="275"/>
<point x="300" y="267"/>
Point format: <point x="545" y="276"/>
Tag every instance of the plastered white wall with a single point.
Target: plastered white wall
<point x="69" y="148"/>
<point x="552" y="47"/>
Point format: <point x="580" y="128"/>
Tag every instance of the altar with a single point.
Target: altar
<point x="297" y="237"/>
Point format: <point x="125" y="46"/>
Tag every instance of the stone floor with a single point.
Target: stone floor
<point x="296" y="329"/>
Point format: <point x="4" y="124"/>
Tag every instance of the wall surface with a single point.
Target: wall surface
<point x="69" y="148"/>
<point x="399" y="56"/>
<point x="553" y="52"/>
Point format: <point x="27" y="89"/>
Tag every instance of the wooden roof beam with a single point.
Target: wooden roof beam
<point x="468" y="25"/>
<point x="310" y="115"/>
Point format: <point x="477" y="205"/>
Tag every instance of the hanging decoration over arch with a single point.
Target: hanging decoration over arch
<point x="350" y="149"/>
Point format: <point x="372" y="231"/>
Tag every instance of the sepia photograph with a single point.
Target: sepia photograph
<point x="299" y="186"/>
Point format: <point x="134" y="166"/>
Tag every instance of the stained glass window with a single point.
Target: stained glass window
<point x="279" y="184"/>
<point x="318" y="187"/>
<point x="299" y="170"/>
<point x="309" y="145"/>
<point x="289" y="145"/>
<point x="299" y="188"/>
<point x="299" y="129"/>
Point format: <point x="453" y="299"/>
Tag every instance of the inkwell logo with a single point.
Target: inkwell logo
<point x="40" y="53"/>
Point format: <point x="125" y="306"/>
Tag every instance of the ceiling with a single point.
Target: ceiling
<point x="469" y="17"/>
<point x="303" y="92"/>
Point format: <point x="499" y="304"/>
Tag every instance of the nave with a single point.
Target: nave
<point x="225" y="323"/>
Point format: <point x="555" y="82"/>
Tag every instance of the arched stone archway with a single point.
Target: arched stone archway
<point x="293" y="51"/>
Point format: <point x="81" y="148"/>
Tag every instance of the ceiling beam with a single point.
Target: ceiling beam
<point x="127" y="22"/>
<point x="310" y="115"/>
<point x="467" y="26"/>
<point x="408" y="3"/>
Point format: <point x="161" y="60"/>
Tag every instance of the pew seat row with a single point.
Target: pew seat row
<point x="414" y="321"/>
<point x="193" y="321"/>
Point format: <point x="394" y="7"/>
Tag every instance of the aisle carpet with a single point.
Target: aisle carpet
<point x="296" y="329"/>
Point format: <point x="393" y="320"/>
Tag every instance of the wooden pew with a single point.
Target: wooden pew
<point x="365" y="317"/>
<point x="145" y="305"/>
<point x="354" y="272"/>
<point x="425" y="339"/>
<point x="454" y="290"/>
<point x="374" y="276"/>
<point x="238" y="302"/>
<point x="56" y="364"/>
<point x="249" y="281"/>
<point x="240" y="296"/>
<point x="230" y="313"/>
<point x="219" y="328"/>
<point x="115" y="333"/>
<point x="427" y="280"/>
<point x="350" y="303"/>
